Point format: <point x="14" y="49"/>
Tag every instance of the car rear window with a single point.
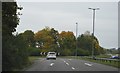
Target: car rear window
<point x="52" y="53"/>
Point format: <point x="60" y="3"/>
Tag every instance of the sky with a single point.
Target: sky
<point x="62" y="16"/>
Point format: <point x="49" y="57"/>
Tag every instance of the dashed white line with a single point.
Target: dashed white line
<point x="73" y="68"/>
<point x="51" y="64"/>
<point x="67" y="63"/>
<point x="88" y="64"/>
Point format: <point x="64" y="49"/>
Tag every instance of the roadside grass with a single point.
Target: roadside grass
<point x="31" y="61"/>
<point x="33" y="58"/>
<point x="112" y="63"/>
<point x="103" y="56"/>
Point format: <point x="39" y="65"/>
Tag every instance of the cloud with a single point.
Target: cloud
<point x="63" y="15"/>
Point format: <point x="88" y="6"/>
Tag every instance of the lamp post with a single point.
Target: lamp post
<point x="93" y="9"/>
<point x="76" y="37"/>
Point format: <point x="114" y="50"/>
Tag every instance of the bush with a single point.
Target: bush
<point x="82" y="52"/>
<point x="34" y="51"/>
<point x="66" y="52"/>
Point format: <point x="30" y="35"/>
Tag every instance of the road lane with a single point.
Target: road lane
<point x="62" y="64"/>
<point x="82" y="65"/>
<point x="49" y="65"/>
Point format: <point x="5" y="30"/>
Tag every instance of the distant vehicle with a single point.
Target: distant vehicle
<point x="115" y="57"/>
<point x="51" y="55"/>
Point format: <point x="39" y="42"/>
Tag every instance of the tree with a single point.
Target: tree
<point x="28" y="36"/>
<point x="20" y="51"/>
<point x="9" y="23"/>
<point x="67" y="42"/>
<point x="86" y="42"/>
<point x="55" y="35"/>
<point x="14" y="52"/>
<point x="47" y="39"/>
<point x="10" y="18"/>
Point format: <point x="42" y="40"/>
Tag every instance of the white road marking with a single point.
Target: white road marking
<point x="88" y="64"/>
<point x="73" y="68"/>
<point x="51" y="64"/>
<point x="67" y="63"/>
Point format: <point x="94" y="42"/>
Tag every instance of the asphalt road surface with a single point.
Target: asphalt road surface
<point x="62" y="64"/>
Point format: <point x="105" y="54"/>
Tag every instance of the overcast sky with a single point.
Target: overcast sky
<point x="63" y="15"/>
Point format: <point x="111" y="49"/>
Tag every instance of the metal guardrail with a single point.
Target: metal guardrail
<point x="105" y="59"/>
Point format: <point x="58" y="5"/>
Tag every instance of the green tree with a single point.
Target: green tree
<point x="29" y="42"/>
<point x="10" y="19"/>
<point x="67" y="42"/>
<point x="21" y="52"/>
<point x="86" y="42"/>
<point x="9" y="23"/>
<point x="14" y="52"/>
<point x="28" y="36"/>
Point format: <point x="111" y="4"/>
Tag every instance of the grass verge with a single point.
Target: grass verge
<point x="33" y="58"/>
<point x="31" y="61"/>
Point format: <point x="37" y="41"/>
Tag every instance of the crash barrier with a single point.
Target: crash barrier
<point x="105" y="59"/>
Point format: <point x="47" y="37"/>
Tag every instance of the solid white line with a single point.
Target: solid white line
<point x="51" y="64"/>
<point x="73" y="68"/>
<point x="88" y="64"/>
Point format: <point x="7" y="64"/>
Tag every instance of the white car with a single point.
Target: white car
<point x="51" y="55"/>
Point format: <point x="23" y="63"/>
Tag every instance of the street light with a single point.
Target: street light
<point x="76" y="37"/>
<point x="93" y="29"/>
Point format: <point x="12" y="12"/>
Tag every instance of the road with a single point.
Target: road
<point x="63" y="64"/>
